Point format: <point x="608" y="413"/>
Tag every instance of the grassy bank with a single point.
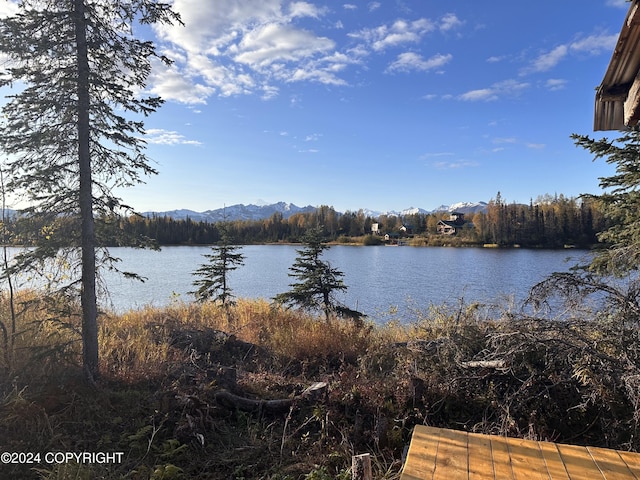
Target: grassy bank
<point x="172" y="377"/>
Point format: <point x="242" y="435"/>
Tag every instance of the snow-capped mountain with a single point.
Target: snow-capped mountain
<point x="236" y="212"/>
<point x="462" y="207"/>
<point x="260" y="212"/>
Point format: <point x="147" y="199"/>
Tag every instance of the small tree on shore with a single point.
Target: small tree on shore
<point x="214" y="275"/>
<point x="317" y="280"/>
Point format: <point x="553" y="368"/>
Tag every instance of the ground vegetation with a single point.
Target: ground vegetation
<point x="185" y="393"/>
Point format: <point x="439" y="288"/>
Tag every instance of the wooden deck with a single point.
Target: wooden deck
<point x="438" y="453"/>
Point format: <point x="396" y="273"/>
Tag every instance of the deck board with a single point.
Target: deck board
<point x="452" y="455"/>
<point x="423" y="451"/>
<point x="633" y="462"/>
<point x="500" y="458"/>
<point x="527" y="461"/>
<point x="480" y="458"/>
<point x="611" y="464"/>
<point x="553" y="461"/>
<point x="579" y="463"/>
<point x="438" y="453"/>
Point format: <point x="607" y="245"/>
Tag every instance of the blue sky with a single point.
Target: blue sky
<point x="383" y="105"/>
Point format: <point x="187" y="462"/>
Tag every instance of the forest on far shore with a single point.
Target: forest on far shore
<point x="547" y="222"/>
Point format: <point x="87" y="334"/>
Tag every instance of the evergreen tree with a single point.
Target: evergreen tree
<point x="214" y="275"/>
<point x="67" y="130"/>
<point x="317" y="280"/>
<point x="621" y="202"/>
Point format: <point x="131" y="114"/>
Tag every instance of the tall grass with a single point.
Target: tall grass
<point x="137" y="345"/>
<point x="463" y="366"/>
<point x="134" y="345"/>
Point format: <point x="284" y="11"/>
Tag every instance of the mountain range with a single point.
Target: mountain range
<point x="260" y="212"/>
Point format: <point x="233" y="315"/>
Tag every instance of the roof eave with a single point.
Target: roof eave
<point x="617" y="105"/>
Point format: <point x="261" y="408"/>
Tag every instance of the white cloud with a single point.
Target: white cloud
<point x="536" y="146"/>
<point x="8" y="8"/>
<point x="276" y="43"/>
<point x="618" y="3"/>
<point x="313" y="75"/>
<point x="548" y="60"/>
<point x="436" y="154"/>
<point x="595" y="44"/>
<point x="244" y="47"/>
<point x="269" y="92"/>
<point x="168" y="137"/>
<point x="449" y="22"/>
<point x="235" y="47"/>
<point x="482" y="94"/>
<point x="171" y="84"/>
<point x="412" y="61"/>
<point x="502" y="140"/>
<point x="398" y="33"/>
<point x="456" y="165"/>
<point x="556" y="84"/>
<point x="304" y="9"/>
<point x="495" y="92"/>
<point x="591" y="45"/>
<point x="210" y="26"/>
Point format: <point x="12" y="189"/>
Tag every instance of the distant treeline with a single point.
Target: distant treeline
<point x="549" y="221"/>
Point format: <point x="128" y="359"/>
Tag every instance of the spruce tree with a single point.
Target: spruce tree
<point x="78" y="71"/>
<point x="317" y="280"/>
<point x="214" y="275"/>
<point x="620" y="203"/>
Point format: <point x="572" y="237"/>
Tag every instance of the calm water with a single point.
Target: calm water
<point x="379" y="279"/>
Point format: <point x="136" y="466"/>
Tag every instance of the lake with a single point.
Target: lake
<point x="383" y="282"/>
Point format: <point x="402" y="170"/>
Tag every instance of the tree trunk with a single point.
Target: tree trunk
<point x="88" y="287"/>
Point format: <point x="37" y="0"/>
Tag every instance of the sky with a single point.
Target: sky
<point x="383" y="105"/>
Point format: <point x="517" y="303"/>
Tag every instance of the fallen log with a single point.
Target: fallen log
<point x="497" y="364"/>
<point x="313" y="393"/>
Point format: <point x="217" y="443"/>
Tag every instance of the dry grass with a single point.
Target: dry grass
<point x="161" y="373"/>
<point x="150" y="379"/>
<point x="132" y="349"/>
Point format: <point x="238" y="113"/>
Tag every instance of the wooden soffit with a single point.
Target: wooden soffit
<point x="617" y="104"/>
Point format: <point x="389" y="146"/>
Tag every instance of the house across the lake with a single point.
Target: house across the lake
<point x="391" y="237"/>
<point x="406" y="229"/>
<point x="455" y="223"/>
